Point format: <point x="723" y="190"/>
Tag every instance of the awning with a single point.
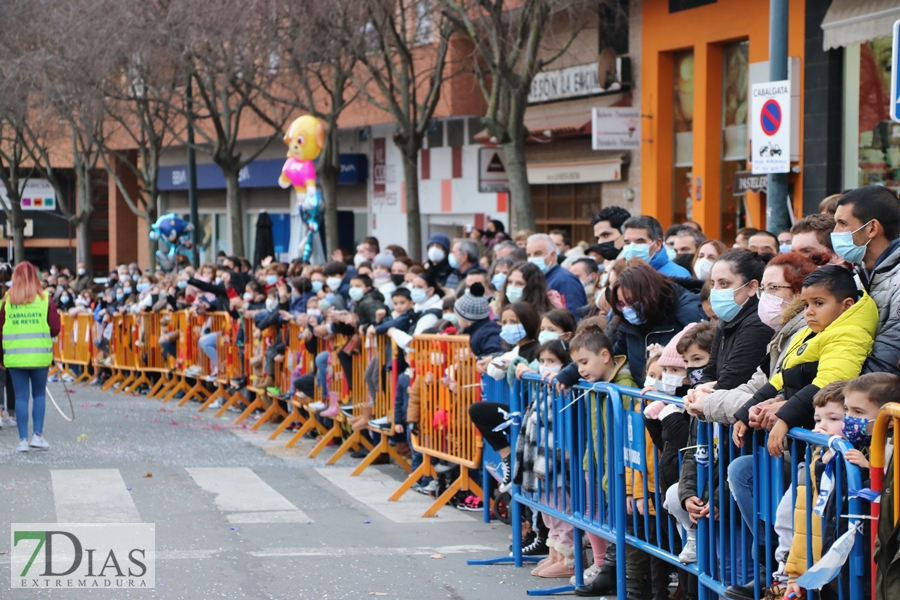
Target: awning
<point x="590" y="171"/>
<point x="857" y="21"/>
<point x="572" y="117"/>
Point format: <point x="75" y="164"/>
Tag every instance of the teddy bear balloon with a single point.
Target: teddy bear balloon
<point x="305" y="139"/>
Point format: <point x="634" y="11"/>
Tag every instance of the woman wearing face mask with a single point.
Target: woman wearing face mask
<point x="399" y="269"/>
<point x="707" y="254"/>
<point x="519" y="324"/>
<point x="381" y="276"/>
<point x="438" y="253"/>
<point x="525" y="283"/>
<point x="651" y="310"/>
<point x="781" y="308"/>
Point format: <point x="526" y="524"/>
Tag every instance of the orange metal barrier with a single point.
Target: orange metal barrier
<point x="220" y="325"/>
<point x="179" y="322"/>
<point x="337" y="386"/>
<point x="231" y="363"/>
<point x="445" y="430"/>
<point x="312" y="421"/>
<point x="256" y="343"/>
<point x="73" y="345"/>
<point x="121" y="354"/>
<point x="888" y="416"/>
<point x="296" y="359"/>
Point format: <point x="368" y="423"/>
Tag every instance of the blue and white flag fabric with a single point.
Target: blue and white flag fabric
<point x="830" y="564"/>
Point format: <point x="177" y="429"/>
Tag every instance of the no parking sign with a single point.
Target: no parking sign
<point x="770" y="127"/>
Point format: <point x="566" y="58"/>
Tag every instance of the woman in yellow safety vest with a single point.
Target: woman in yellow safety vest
<point x="28" y="323"/>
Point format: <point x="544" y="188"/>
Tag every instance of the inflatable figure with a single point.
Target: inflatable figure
<point x="175" y="234"/>
<point x="305" y="139"/>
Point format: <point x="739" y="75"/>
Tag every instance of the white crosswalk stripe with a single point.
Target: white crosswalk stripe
<point x="92" y="496"/>
<point x="245" y="497"/>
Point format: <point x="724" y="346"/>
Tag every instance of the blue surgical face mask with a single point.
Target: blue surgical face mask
<point x="846" y="248"/>
<point x="670" y="252"/>
<point x="316" y="286"/>
<point x="64" y="299"/>
<point x="356" y="293"/>
<point x="547" y="336"/>
<point x="181" y="284"/>
<point x="418" y="296"/>
<point x="723" y="304"/>
<point x="540" y="262"/>
<point x="641" y="251"/>
<point x="784" y="248"/>
<point x="451" y="317"/>
<point x="330" y="299"/>
<point x="271" y="279"/>
<point x="498" y="280"/>
<point x="513" y="293"/>
<point x="127" y="290"/>
<point x="631" y="315"/>
<point x="142" y="287"/>
<point x="120" y="296"/>
<point x="856" y="430"/>
<point x="454" y="264"/>
<point x="512" y="334"/>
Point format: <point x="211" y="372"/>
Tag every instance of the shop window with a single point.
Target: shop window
<point x="683" y="132"/>
<point x="879" y="137"/>
<point x="456" y="134"/>
<point x="436" y="134"/>
<point x="679" y="5"/>
<point x="568" y="206"/>
<point x="735" y="72"/>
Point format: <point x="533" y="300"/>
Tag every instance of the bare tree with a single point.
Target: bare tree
<point x="317" y="57"/>
<point x="404" y="52"/>
<point x="509" y="51"/>
<point x="230" y="51"/>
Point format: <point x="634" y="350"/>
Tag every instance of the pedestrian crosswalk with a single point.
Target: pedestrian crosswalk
<point x="245" y="497"/>
<point x="92" y="496"/>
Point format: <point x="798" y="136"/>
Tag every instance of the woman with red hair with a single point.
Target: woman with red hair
<point x="28" y="322"/>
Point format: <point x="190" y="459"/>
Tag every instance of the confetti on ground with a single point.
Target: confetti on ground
<point x="437" y="556"/>
<point x="213" y="427"/>
<point x="147" y="475"/>
<point x="81" y="437"/>
<point x="366" y="522"/>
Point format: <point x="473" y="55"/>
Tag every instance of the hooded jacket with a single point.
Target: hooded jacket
<point x="883" y="284"/>
<point x="814" y="360"/>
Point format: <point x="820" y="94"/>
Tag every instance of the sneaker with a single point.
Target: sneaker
<point x="23" y="446"/>
<point x="689" y="554"/>
<point x="212" y="377"/>
<point x="431" y="487"/>
<point x="471" y="503"/>
<point x="526" y="541"/>
<point x="53" y="378"/>
<point x="506" y="472"/>
<point x="316" y="406"/>
<point x="9" y="422"/>
<point x="38" y="441"/>
<point x="384" y="423"/>
<point x="347" y="410"/>
<point x="418" y="488"/>
<point x="216" y="404"/>
<point x="589" y="574"/>
<point x="68" y="378"/>
<point x="444" y="467"/>
<point x="538" y="547"/>
<point x="193" y="371"/>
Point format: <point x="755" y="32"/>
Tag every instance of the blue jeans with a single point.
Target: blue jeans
<point x="740" y="480"/>
<point x="322" y="372"/>
<point x="208" y="345"/>
<point x="37" y="379"/>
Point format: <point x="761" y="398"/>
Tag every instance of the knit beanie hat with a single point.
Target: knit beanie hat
<point x="670" y="356"/>
<point x="472" y="306"/>
<point x="385" y="259"/>
<point x="440" y="239"/>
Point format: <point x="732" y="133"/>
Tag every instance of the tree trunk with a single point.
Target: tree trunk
<point x="329" y="173"/>
<point x="17" y="227"/>
<point x="410" y="153"/>
<point x="235" y="215"/>
<point x="83" y="236"/>
<point x="152" y="246"/>
<point x="519" y="190"/>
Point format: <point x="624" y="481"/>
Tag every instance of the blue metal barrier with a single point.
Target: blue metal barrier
<point x="597" y="471"/>
<point x="493" y="390"/>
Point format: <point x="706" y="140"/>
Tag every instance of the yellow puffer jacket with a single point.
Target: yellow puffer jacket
<point x="797" y="559"/>
<point x="840" y="349"/>
<point x="634" y="479"/>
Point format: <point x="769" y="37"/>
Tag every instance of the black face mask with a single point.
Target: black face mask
<point x="695" y="375"/>
<point x="608" y="250"/>
<point x="398" y="278"/>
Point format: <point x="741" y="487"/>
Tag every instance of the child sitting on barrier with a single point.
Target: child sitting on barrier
<point x="533" y="446"/>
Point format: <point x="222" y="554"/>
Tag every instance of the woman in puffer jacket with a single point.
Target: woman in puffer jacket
<point x="781" y="308"/>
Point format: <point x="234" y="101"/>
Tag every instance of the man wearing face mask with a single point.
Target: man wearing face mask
<point x="337" y="278"/>
<point x="366" y="251"/>
<point x="83" y="279"/>
<point x="543" y="254"/>
<point x="438" y="263"/>
<point x="585" y="269"/>
<point x="643" y="237"/>
<point x="867" y="222"/>
<point x="463" y="258"/>
<point x="608" y="230"/>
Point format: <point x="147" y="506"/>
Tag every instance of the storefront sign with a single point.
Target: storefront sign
<point x="770" y="127"/>
<point x="37" y="194"/>
<point x="492" y="175"/>
<point x="379" y="160"/>
<point x="895" y="84"/>
<point x="573" y="82"/>
<point x="258" y="174"/>
<point x="589" y="172"/>
<point x="745" y="181"/>
<point x="616" y="128"/>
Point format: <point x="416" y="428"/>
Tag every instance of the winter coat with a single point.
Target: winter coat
<point x="887" y="543"/>
<point x="883" y="284"/>
<point x="633" y="340"/>
<point x="739" y="347"/>
<point x="814" y="360"/>
<point x="568" y="286"/>
<point x="532" y="445"/>
<point x="441" y="272"/>
<point x="669" y="435"/>
<point x="797" y="557"/>
<point x="661" y="263"/>
<point x="484" y="338"/>
<point x="687" y="484"/>
<point x="414" y="403"/>
<point x="722" y="404"/>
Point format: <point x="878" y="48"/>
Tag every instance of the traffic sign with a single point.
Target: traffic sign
<point x="492" y="175"/>
<point x="770" y="127"/>
<point x="770" y="117"/>
<point x="895" y="85"/>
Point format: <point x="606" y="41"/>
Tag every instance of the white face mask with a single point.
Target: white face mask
<point x="554" y="369"/>
<point x="359" y="259"/>
<point x="271" y="304"/>
<point x="436" y="255"/>
<point x="333" y="282"/>
<point x="671" y="382"/>
<point x="702" y="268"/>
<point x="650" y="382"/>
<point x="248" y="297"/>
<point x="81" y="271"/>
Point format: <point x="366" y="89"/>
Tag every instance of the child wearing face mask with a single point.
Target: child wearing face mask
<point x="534" y="440"/>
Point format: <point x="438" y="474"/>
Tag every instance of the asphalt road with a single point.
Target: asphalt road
<point x="238" y="516"/>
